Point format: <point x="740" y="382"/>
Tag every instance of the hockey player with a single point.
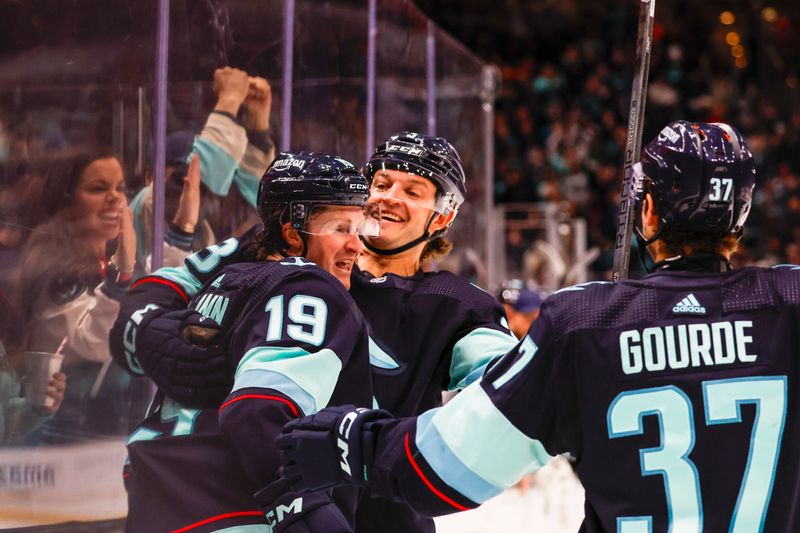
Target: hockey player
<point x="294" y="342"/>
<point x="428" y="331"/>
<point x="676" y="393"/>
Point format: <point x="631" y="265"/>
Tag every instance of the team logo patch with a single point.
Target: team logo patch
<point x="378" y="280"/>
<point x="690" y="306"/>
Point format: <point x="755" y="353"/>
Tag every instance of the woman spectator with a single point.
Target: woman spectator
<point x="70" y="287"/>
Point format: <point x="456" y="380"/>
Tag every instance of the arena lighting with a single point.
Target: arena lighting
<point x="737" y="51"/>
<point x="732" y="38"/>
<point x="741" y="62"/>
<point x="769" y="14"/>
<point x="727" y="18"/>
<point x="791" y="81"/>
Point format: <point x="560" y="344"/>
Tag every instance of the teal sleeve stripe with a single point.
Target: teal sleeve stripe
<point x="485" y="441"/>
<point x="316" y="373"/>
<point x="182" y="277"/>
<point x="267" y="379"/>
<point x="247" y="185"/>
<point x="216" y="166"/>
<point x="447" y="465"/>
<point x="474" y="351"/>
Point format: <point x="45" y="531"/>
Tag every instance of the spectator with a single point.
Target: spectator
<point x="69" y="288"/>
<point x="521" y="304"/>
<point x="234" y="147"/>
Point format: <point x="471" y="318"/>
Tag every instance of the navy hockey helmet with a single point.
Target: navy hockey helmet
<point x="433" y="158"/>
<point x="701" y="177"/>
<point x="303" y="180"/>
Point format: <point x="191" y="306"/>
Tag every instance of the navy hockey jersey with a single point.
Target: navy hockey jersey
<point x="296" y="343"/>
<point x="428" y="332"/>
<point x="677" y="395"/>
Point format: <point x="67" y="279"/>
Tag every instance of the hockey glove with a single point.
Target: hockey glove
<point x="330" y="448"/>
<point x="291" y="512"/>
<point x="191" y="374"/>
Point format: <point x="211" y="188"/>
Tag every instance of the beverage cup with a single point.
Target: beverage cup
<point x="39" y="369"/>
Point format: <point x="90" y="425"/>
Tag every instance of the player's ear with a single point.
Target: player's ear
<point x="649" y="215"/>
<point x="292" y="238"/>
<point x="441" y="221"/>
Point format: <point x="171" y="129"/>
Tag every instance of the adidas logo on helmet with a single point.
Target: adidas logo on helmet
<point x="689" y="305"/>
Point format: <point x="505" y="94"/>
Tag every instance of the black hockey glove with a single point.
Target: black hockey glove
<point x="288" y="511"/>
<point x="331" y="448"/>
<point x="190" y="373"/>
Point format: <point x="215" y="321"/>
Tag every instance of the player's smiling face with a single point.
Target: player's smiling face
<point x="99" y="200"/>
<point x="333" y="242"/>
<point x="407" y="203"/>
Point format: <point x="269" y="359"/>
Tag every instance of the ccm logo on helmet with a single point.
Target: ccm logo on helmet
<point x="411" y="150"/>
<point x="358" y="187"/>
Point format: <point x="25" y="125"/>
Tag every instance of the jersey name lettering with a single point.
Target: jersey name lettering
<point x="685" y="346"/>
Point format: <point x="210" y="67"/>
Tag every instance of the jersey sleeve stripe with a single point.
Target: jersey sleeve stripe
<point x="447" y="465"/>
<point x="470" y="424"/>
<point x="267" y="379"/>
<point x="428" y="484"/>
<point x="261" y="397"/>
<point x="181" y="275"/>
<point x="315" y="373"/>
<point x="474" y="351"/>
<point x="162" y="281"/>
<point x="217" y="519"/>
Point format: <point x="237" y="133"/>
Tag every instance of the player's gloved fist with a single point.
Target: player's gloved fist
<point x="288" y="511"/>
<point x="192" y="374"/>
<point x="330" y="448"/>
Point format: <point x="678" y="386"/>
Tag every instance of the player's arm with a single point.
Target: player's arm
<point x="483" y="337"/>
<point x="148" y="339"/>
<point x="260" y="149"/>
<point x="454" y="457"/>
<point x="296" y="343"/>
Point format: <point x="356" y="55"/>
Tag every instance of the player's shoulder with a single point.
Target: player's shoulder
<point x="447" y="284"/>
<point x="783" y="281"/>
<point x="597" y="304"/>
<point x="287" y="273"/>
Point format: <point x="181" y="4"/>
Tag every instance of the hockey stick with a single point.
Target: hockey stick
<point x="633" y="144"/>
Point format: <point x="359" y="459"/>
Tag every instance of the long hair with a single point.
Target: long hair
<point x="436" y="249"/>
<point x="54" y="255"/>
<point x="270" y="240"/>
<point x="62" y="175"/>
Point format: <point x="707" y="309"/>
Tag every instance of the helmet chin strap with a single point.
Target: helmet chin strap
<point x="425" y="237"/>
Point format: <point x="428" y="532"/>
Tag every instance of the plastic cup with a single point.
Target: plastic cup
<point x="39" y="369"/>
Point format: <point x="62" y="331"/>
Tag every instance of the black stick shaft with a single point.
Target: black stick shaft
<point x="633" y="144"/>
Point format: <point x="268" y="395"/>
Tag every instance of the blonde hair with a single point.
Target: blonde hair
<point x="436" y="248"/>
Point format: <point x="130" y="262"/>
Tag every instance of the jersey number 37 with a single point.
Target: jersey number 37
<point x="722" y="401"/>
